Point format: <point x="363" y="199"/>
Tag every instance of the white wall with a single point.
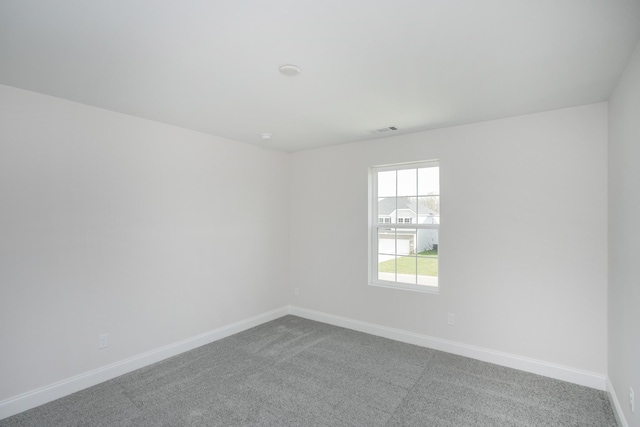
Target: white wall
<point x="624" y="238"/>
<point x="523" y="243"/>
<point x="110" y="223"/>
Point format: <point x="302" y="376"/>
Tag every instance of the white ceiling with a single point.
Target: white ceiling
<point x="212" y="66"/>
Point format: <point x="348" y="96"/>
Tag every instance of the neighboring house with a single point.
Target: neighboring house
<point x="407" y="210"/>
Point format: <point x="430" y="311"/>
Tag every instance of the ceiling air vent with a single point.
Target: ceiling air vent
<point x="387" y="129"/>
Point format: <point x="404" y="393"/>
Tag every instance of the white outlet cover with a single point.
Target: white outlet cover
<point x="103" y="341"/>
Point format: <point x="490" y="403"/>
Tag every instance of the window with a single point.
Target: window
<point x="405" y="225"/>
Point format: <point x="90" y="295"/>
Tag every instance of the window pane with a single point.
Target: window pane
<point x="428" y="271"/>
<point x="428" y="181"/>
<point x="407" y="182"/>
<point x="386" y="241"/>
<point x="387" y="208"/>
<point x="387" y="267"/>
<point x="428" y="209"/>
<point x="405" y="241"/>
<point x="427" y="243"/>
<point x="387" y="184"/>
<point x="406" y="269"/>
<point x="428" y="257"/>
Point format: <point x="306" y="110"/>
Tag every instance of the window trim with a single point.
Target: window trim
<point x="374" y="226"/>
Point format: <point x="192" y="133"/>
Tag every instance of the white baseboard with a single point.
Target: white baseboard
<point x="79" y="382"/>
<point x="564" y="373"/>
<point x="31" y="399"/>
<point x="615" y="404"/>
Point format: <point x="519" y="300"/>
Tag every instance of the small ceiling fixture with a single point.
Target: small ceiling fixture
<point x="290" y="70"/>
<point x="265" y="135"/>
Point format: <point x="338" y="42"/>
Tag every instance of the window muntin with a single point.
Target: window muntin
<point x="405" y="248"/>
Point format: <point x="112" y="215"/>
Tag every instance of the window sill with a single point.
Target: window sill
<point x="407" y="287"/>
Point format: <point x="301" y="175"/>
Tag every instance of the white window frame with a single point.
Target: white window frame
<point x="374" y="226"/>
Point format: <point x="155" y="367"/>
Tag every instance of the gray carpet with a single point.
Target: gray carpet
<point x="296" y="372"/>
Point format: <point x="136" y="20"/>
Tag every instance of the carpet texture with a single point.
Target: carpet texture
<point x="297" y="372"/>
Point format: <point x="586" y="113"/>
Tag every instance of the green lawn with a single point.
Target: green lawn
<point x="407" y="264"/>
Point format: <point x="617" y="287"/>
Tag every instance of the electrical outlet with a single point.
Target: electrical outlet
<point x="451" y="319"/>
<point x="103" y="341"/>
<point x="631" y="400"/>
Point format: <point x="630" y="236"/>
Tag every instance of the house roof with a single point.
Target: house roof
<point x="417" y="205"/>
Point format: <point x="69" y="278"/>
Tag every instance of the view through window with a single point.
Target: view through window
<point x="405" y="225"/>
